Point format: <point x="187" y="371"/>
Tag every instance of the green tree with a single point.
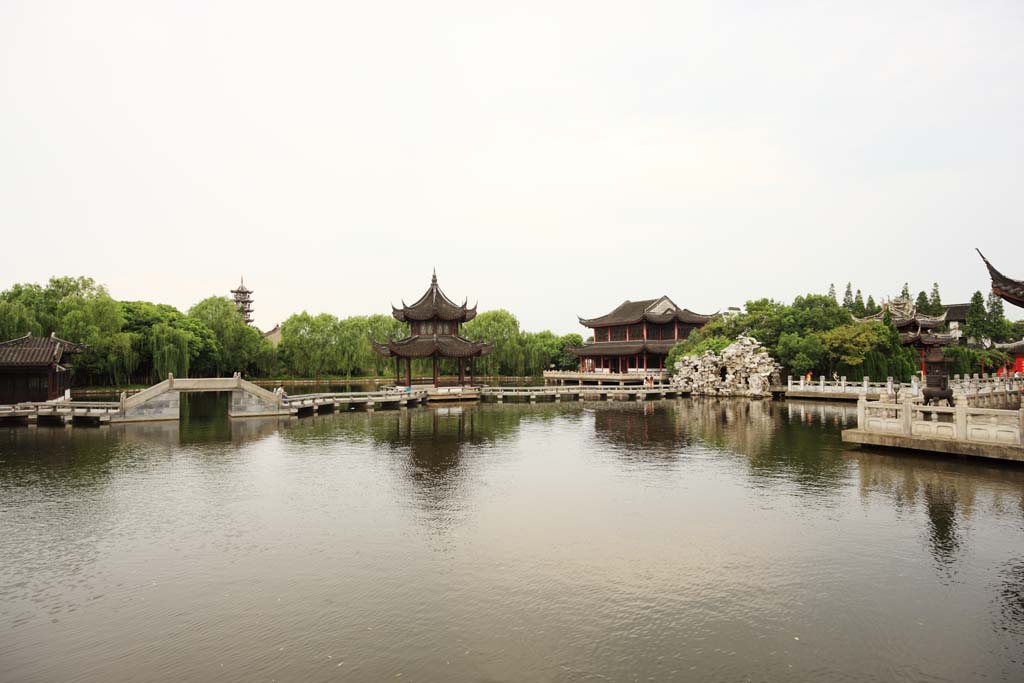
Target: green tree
<point x="922" y="304"/>
<point x="935" y="301"/>
<point x="801" y="354"/>
<point x="871" y="307"/>
<point x="832" y="292"/>
<point x="501" y="328"/>
<point x="17" y="320"/>
<point x="566" y="360"/>
<point x="905" y="292"/>
<point x="999" y="328"/>
<point x="859" y="309"/>
<point x="848" y="297"/>
<point x="384" y="328"/>
<point x="169" y="350"/>
<point x="977" y="324"/>
<point x="311" y="345"/>
<point x="238" y="344"/>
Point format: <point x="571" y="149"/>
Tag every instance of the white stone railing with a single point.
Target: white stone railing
<point x="969" y="387"/>
<point x="962" y="423"/>
<point x="827" y="386"/>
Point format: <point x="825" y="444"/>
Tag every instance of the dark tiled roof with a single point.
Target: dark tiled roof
<point x="630" y="312"/>
<point x="622" y="348"/>
<point x="1015" y="348"/>
<point x="905" y="315"/>
<point x="1010" y="290"/>
<point x="434" y="305"/>
<point x="425" y="346"/>
<point x="927" y="339"/>
<point x="36" y="351"/>
<point x="957" y="312"/>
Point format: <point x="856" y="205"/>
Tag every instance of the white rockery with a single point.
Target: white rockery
<point x="743" y="368"/>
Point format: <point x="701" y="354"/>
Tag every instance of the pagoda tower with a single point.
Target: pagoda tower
<point x="434" y="322"/>
<point x="243" y="301"/>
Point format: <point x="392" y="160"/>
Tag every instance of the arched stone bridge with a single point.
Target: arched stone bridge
<point x="163" y="401"/>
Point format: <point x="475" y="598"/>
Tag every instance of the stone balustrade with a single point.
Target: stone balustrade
<point x="964" y="423"/>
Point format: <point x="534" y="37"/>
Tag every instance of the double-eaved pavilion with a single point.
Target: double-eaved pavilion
<point x="434" y="322"/>
<point x="636" y="337"/>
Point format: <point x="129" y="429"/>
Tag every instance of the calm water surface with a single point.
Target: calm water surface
<point x="703" y="540"/>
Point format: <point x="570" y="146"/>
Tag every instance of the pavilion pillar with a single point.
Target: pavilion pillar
<point x="462" y="371"/>
<point x="398" y="378"/>
<point x="436" y="376"/>
<point x="408" y="371"/>
<point x="472" y="370"/>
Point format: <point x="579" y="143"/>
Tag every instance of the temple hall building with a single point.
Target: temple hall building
<point x="35" y="368"/>
<point x="434" y="322"/>
<point x="633" y="340"/>
<point x="917" y="330"/>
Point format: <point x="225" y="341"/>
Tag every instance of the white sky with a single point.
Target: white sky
<point x="550" y="158"/>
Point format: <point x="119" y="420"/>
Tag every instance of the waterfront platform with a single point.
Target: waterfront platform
<point x="974" y="449"/>
<point x="964" y="430"/>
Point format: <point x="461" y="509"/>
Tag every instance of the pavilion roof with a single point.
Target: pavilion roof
<point x="905" y="315"/>
<point x="29" y="351"/>
<point x="925" y="339"/>
<point x="1016" y="348"/>
<point x="1011" y="291"/>
<point x="660" y="310"/>
<point x="957" y="312"/>
<point x="434" y="305"/>
<point x="622" y="348"/>
<point x="426" y="346"/>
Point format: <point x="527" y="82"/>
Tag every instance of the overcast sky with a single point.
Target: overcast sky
<point x="550" y="158"/>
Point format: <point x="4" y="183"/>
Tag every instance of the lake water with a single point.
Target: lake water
<point x="678" y="540"/>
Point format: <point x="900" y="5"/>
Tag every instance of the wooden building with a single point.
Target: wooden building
<point x="34" y="368"/>
<point x="434" y="322"/>
<point x="636" y="336"/>
<point x="917" y="330"/>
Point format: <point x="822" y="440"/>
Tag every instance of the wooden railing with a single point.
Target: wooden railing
<point x="599" y="373"/>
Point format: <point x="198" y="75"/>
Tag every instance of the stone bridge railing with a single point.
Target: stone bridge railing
<point x="962" y="423"/>
<point x="162" y="401"/>
<point x="984" y="391"/>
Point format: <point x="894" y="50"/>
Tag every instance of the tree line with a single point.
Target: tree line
<point x="324" y="345"/>
<point x="141" y="342"/>
<point x="818" y="334"/>
<point x="135" y="341"/>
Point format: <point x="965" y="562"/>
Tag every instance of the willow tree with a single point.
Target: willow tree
<point x="169" y="348"/>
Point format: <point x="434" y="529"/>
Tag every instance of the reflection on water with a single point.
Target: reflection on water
<point x="705" y="540"/>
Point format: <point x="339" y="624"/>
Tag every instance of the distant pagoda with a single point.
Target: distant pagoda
<point x="434" y="322"/>
<point x="243" y="301"/>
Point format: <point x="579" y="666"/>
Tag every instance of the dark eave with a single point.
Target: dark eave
<point x="427" y="346"/>
<point x="622" y="348"/>
<point x="632" y="312"/>
<point x="433" y="305"/>
<point x="29" y="351"/>
<point x="1011" y="291"/>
